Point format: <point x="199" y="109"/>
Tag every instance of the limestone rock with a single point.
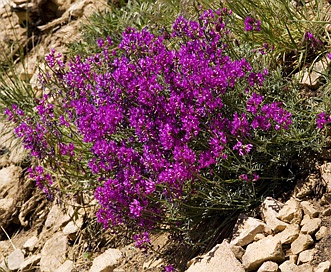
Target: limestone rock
<point x="245" y="230"/>
<point x="67" y="266"/>
<point x="289" y="234"/>
<point x="323" y="267"/>
<point x="30" y="263"/>
<point x="77" y="10"/>
<point x="288" y="266"/>
<point x="73" y="227"/>
<point x="325" y="171"/>
<point x="309" y="209"/>
<point x="56" y="218"/>
<point x="311" y="226"/>
<point x="268" y="267"/>
<point x="305" y="219"/>
<point x="31" y="243"/>
<point x="220" y="256"/>
<point x="301" y="243"/>
<point x="306" y="256"/>
<point x="311" y="78"/>
<point x="238" y="251"/>
<point x="107" y="261"/>
<point x="269" y="211"/>
<point x="291" y="212"/>
<point x="321" y="233"/>
<point x="53" y="254"/>
<point x="15" y="259"/>
<point x="267" y="249"/>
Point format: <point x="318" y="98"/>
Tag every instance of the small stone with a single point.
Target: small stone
<point x="293" y="258"/>
<point x="305" y="219"/>
<point x="321" y="233"/>
<point x="304" y="268"/>
<point x="301" y="243"/>
<point x="73" y="227"/>
<point x="288" y="266"/>
<point x="291" y="212"/>
<point x="306" y="256"/>
<point x="309" y="209"/>
<point x="245" y="230"/>
<point x="258" y="237"/>
<point x="54" y="252"/>
<point x="323" y="267"/>
<point x="326" y="212"/>
<point x="311" y="226"/>
<point x="31" y="243"/>
<point x="238" y="251"/>
<point x="269" y="211"/>
<point x="220" y="256"/>
<point x="326" y="199"/>
<point x="289" y="234"/>
<point x="30" y="262"/>
<point x="15" y="259"/>
<point x="267" y="249"/>
<point x="268" y="267"/>
<point x="107" y="261"/>
<point x="67" y="266"/>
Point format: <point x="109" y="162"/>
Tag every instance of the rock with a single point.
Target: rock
<point x="321" y="233"/>
<point x="291" y="212"/>
<point x="304" y="187"/>
<point x="56" y="218"/>
<point x="326" y="199"/>
<point x="107" y="261"/>
<point x="72" y="227"/>
<point x="268" y="267"/>
<point x="15" y="259"/>
<point x="306" y="256"/>
<point x="258" y="237"/>
<point x="288" y="266"/>
<point x="238" y="251"/>
<point x="77" y="10"/>
<point x="305" y="219"/>
<point x="31" y="243"/>
<point x="269" y="211"/>
<point x="289" y="234"/>
<point x="323" y="267"/>
<point x="220" y="256"/>
<point x="326" y="212"/>
<point x="245" y="230"/>
<point x="30" y="263"/>
<point x="311" y="226"/>
<point x="67" y="266"/>
<point x="53" y="254"/>
<point x="311" y="78"/>
<point x="267" y="249"/>
<point x="301" y="243"/>
<point x="325" y="171"/>
<point x="304" y="268"/>
<point x="9" y="180"/>
<point x="309" y="209"/>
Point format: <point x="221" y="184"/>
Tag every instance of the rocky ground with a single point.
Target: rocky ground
<point x="288" y="234"/>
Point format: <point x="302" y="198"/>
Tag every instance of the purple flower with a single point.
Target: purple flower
<point x="321" y="120"/>
<point x="252" y="24"/>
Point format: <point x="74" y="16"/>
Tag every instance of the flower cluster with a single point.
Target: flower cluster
<point x="312" y="40"/>
<point x="252" y="24"/>
<point x="158" y="119"/>
<point x="322" y="119"/>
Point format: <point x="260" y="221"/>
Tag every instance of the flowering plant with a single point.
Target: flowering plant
<point x="167" y="129"/>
